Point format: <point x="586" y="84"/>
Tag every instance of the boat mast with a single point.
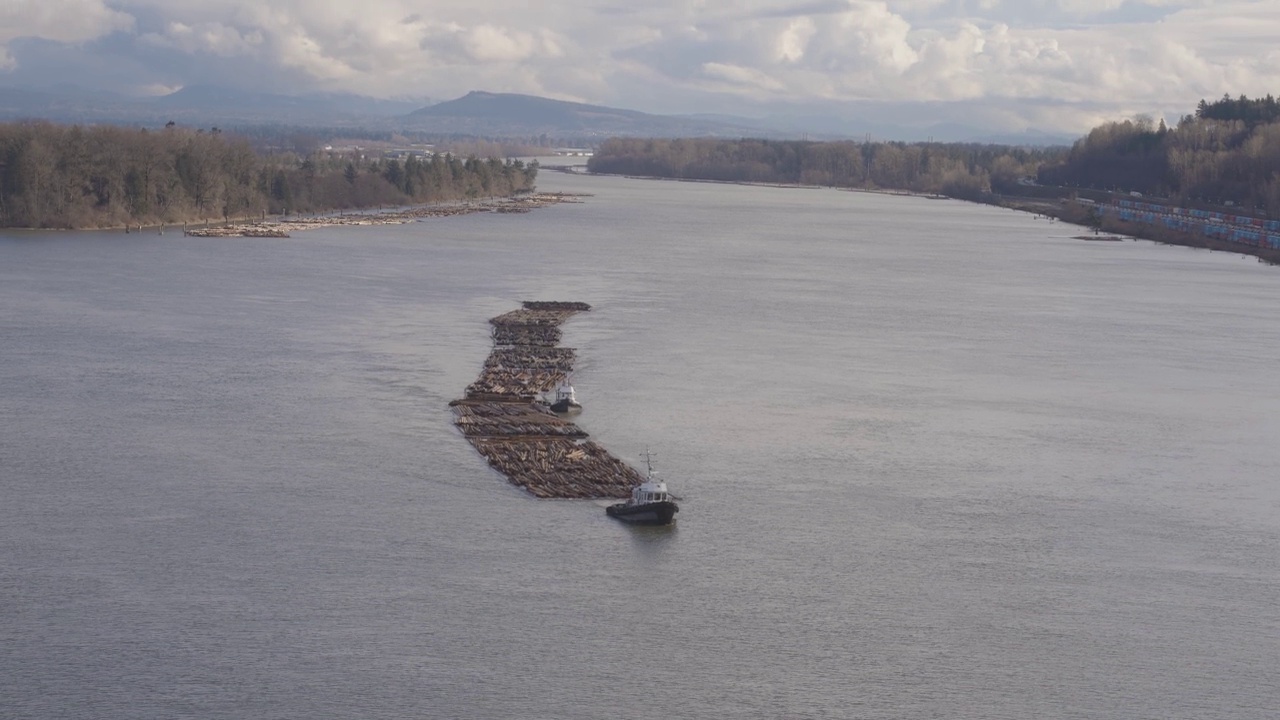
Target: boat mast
<point x="648" y="462"/>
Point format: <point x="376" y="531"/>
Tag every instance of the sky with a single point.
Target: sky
<point x="1051" y="65"/>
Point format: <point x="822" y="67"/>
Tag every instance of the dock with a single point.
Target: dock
<point x="504" y="419"/>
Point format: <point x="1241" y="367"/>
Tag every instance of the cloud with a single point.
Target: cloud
<point x="63" y="21"/>
<point x="377" y="46"/>
<point x="680" y="55"/>
<point x="866" y="50"/>
<point x="212" y="38"/>
<point x="487" y="43"/>
<point x="158" y="90"/>
<point x="736" y="75"/>
<point x="67" y="21"/>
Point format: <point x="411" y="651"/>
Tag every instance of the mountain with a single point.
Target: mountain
<point x="16" y="102"/>
<point x="322" y="108"/>
<point x="200" y="105"/>
<point x="59" y="103"/>
<point x="477" y="114"/>
<point x="1029" y="138"/>
<point x="510" y="114"/>
<point x="834" y="126"/>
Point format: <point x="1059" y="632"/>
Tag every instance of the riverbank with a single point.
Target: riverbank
<point x="1087" y="216"/>
<point x="1064" y="209"/>
<point x="282" y="227"/>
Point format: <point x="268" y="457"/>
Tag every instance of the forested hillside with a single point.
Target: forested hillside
<point x="1227" y="152"/>
<point x="958" y="170"/>
<point x="71" y="176"/>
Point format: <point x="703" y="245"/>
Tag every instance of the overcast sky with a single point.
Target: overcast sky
<point x="1059" y="65"/>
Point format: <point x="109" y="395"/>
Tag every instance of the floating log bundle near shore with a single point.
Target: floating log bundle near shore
<point x="519" y="436"/>
<point x="281" y="228"/>
<point x="264" y="230"/>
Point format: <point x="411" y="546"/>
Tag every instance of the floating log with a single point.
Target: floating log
<point x="517" y="382"/>
<point x="517" y="434"/>
<point x="495" y="419"/>
<point x="537" y="335"/>
<point x="524" y="316"/>
<point x="281" y="228"/>
<point x="559" y="468"/>
<point x="539" y="357"/>
<point x="239" y="231"/>
<point x="555" y="305"/>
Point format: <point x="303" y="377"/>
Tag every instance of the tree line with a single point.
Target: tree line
<point x="1228" y="152"/>
<point x="962" y="170"/>
<point x="60" y="176"/>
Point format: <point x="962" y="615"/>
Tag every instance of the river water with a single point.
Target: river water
<point x="937" y="460"/>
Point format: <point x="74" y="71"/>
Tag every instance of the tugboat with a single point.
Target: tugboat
<point x="650" y="503"/>
<point x="565" y="399"/>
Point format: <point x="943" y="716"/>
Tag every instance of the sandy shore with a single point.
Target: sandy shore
<point x="285" y="226"/>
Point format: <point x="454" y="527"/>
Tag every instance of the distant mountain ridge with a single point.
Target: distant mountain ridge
<point x="212" y="97"/>
<point x="531" y="108"/>
<point x="198" y="105"/>
<point x="508" y="114"/>
<point x="486" y="113"/>
<point x="476" y="114"/>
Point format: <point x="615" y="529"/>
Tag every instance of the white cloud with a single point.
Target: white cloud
<point x="749" y="79"/>
<point x="156" y="90"/>
<point x="64" y="21"/>
<point x="60" y="20"/>
<point x="866" y="50"/>
<point x="1089" y="7"/>
<point x="794" y="40"/>
<point x="487" y="43"/>
<point x="1093" y="54"/>
<point x="375" y="46"/>
<point x="212" y="38"/>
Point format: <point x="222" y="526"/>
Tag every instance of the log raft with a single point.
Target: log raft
<point x="504" y="420"/>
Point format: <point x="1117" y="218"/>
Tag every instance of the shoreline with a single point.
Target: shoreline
<point x="278" y="225"/>
<point x="1053" y="208"/>
<point x="405" y="214"/>
<point x="1110" y="228"/>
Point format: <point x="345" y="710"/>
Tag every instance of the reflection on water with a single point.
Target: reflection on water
<point x="652" y="539"/>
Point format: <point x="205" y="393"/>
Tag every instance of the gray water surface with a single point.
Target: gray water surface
<point x="937" y="460"/>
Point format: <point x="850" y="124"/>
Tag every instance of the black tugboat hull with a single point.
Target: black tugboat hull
<point x="564" y="406"/>
<point x="654" y="513"/>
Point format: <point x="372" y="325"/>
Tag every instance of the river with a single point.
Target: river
<point x="936" y="460"/>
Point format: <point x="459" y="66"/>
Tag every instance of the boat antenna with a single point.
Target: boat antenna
<point x="648" y="461"/>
